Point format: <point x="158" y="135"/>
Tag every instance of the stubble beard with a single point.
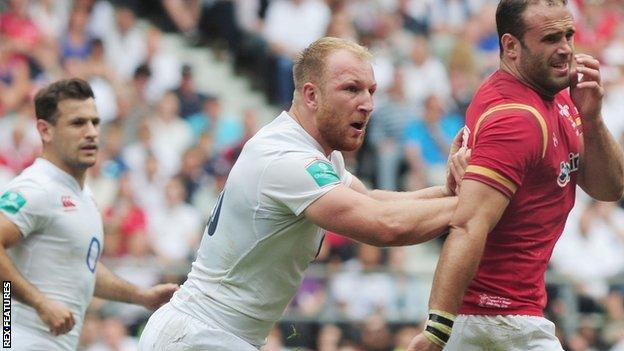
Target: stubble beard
<point x="332" y="131"/>
<point x="541" y="73"/>
<point x="79" y="165"/>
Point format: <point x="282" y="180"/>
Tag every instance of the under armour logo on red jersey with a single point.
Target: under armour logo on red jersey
<point x="67" y="202"/>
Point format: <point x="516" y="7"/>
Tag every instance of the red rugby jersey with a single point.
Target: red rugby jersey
<point x="526" y="147"/>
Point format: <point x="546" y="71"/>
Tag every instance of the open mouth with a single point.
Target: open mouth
<point x="358" y="125"/>
<point x="561" y="67"/>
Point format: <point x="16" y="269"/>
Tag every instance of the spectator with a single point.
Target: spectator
<point x="290" y="26"/>
<point x="429" y="140"/>
<point x="387" y="130"/>
<point x="175" y="229"/>
<point x="361" y="290"/>
<point x="425" y="74"/>
<point x="124" y="221"/>
<point x="169" y="128"/>
<point x="191" y="100"/>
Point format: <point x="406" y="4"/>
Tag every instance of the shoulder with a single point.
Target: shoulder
<point x="31" y="180"/>
<point x="511" y="118"/>
<point x="26" y="196"/>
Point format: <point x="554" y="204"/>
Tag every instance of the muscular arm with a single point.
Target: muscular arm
<point x="602" y="163"/>
<point x="433" y="192"/>
<point x="478" y="211"/>
<point x="111" y="287"/>
<point x="381" y="223"/>
<point x="601" y="170"/>
<point x="457" y="163"/>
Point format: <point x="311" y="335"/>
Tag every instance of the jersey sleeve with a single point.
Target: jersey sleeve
<point x="504" y="147"/>
<point x="345" y="176"/>
<point x="296" y="183"/>
<point x="25" y="204"/>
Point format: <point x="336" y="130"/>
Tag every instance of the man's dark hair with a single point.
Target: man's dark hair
<point x="48" y="98"/>
<point x="143" y="71"/>
<point x="510" y="17"/>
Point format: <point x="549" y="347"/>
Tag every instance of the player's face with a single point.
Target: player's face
<point x="546" y="57"/>
<point x="345" y="101"/>
<point x="74" y="137"/>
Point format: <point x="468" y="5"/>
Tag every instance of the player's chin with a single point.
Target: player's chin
<point x="352" y="144"/>
<point x="560" y="83"/>
<point x="87" y="161"/>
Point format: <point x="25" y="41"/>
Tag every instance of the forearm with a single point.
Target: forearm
<point x="602" y="165"/>
<point x="458" y="263"/>
<point x="110" y="287"/>
<point x="433" y="192"/>
<point x="21" y="288"/>
<point x="422" y="221"/>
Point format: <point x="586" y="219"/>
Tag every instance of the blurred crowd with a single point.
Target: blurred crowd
<point x="166" y="148"/>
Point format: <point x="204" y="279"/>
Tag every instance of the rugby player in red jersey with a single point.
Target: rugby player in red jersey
<point x="532" y="141"/>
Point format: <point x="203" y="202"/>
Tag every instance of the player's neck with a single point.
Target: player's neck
<point x="517" y="73"/>
<point x="77" y="174"/>
<point x="308" y="124"/>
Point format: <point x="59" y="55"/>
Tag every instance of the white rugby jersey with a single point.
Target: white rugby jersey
<point x="258" y="243"/>
<point x="62" y="241"/>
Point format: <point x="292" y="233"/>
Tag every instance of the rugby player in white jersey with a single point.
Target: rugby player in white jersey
<point x="288" y="183"/>
<point x="51" y="230"/>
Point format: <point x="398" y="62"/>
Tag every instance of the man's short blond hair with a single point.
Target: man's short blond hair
<point x="310" y="64"/>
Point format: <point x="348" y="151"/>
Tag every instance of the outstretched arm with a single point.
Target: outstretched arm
<point x="381" y="223"/>
<point x="111" y="287"/>
<point x="601" y="169"/>
<point x="478" y="211"/>
<point x="457" y="163"/>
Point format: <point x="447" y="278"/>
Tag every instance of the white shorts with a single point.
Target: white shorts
<point x="503" y="333"/>
<point x="172" y="330"/>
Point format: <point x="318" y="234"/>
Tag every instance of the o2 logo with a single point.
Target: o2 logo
<point x="93" y="253"/>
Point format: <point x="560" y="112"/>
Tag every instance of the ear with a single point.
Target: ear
<point x="309" y="94"/>
<point x="511" y="46"/>
<point x="46" y="130"/>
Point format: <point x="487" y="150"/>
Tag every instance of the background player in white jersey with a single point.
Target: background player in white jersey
<point x="288" y="183"/>
<point x="51" y="230"/>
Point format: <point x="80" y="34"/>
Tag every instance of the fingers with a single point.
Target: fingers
<point x="62" y="324"/>
<point x="459" y="162"/>
<point x="58" y="317"/>
<point x="458" y="141"/>
<point x="457" y="167"/>
<point x="587" y="61"/>
<point x="587" y="68"/>
<point x="588" y="74"/>
<point x="588" y="85"/>
<point x="160" y="295"/>
<point x="463" y="159"/>
<point x="459" y="138"/>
